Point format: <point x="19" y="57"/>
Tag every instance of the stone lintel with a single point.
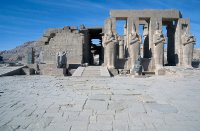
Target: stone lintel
<point x="165" y="14"/>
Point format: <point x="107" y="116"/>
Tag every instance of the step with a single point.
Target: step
<point x="148" y="73"/>
<point x="92" y="71"/>
<point x="78" y="71"/>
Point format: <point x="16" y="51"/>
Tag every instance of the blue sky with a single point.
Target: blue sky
<point x="26" y="20"/>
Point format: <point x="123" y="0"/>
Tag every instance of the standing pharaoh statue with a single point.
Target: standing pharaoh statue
<point x="188" y="41"/>
<point x="158" y="41"/>
<point x="109" y="44"/>
<point x="134" y="45"/>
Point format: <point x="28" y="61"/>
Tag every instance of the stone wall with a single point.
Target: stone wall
<point x="68" y="40"/>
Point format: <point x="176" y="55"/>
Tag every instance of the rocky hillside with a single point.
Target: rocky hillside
<point x="18" y="53"/>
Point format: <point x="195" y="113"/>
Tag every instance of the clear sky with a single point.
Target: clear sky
<point x="26" y="20"/>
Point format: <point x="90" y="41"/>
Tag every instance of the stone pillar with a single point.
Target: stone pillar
<point x="171" y="44"/>
<point x="111" y="54"/>
<point x="109" y="43"/>
<point x="184" y="43"/>
<point x="156" y="43"/>
<point x="146" y="41"/>
<point x="187" y="41"/>
<point x="134" y="40"/>
<point x="178" y="47"/>
<point x="121" y="49"/>
<point x="125" y="38"/>
<point x="158" y="50"/>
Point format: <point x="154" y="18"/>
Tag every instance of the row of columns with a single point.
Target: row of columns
<point x="178" y="53"/>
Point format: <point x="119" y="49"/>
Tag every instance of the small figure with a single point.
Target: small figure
<point x="61" y="59"/>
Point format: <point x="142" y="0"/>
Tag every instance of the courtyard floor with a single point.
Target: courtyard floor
<point x="49" y="103"/>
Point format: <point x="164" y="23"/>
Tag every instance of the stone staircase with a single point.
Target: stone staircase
<point x="92" y="71"/>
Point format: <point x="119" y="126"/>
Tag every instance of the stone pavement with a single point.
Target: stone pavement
<point x="47" y="103"/>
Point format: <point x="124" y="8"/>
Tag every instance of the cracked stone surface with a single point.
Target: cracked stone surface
<point x="47" y="103"/>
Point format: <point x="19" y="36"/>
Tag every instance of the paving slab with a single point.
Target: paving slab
<point x="157" y="103"/>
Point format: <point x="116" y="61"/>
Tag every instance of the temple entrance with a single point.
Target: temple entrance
<point x="95" y="45"/>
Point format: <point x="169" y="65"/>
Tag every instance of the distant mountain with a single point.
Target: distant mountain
<point x="17" y="54"/>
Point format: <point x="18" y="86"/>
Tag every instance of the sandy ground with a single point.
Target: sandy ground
<point x="49" y="103"/>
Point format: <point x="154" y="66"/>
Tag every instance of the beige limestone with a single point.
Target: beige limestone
<point x="134" y="45"/>
<point x="119" y="52"/>
<point x="188" y="44"/>
<point x="158" y="41"/>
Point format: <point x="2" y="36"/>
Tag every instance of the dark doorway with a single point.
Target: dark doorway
<point x="169" y="27"/>
<point x="96" y="49"/>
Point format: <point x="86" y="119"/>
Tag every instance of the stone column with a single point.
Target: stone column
<point x="158" y="51"/>
<point x="156" y="43"/>
<point x="121" y="49"/>
<point x="146" y="41"/>
<point x="171" y="44"/>
<point x="134" y="40"/>
<point x="125" y="38"/>
<point x="184" y="43"/>
<point x="188" y="41"/>
<point x="109" y="43"/>
<point x="178" y="47"/>
<point x="111" y="54"/>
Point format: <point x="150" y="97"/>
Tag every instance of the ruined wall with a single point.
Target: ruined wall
<point x="68" y="40"/>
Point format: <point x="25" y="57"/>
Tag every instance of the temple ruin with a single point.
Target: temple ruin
<point x="64" y="50"/>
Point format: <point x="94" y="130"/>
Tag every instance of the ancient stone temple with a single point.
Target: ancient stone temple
<point x="142" y="44"/>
